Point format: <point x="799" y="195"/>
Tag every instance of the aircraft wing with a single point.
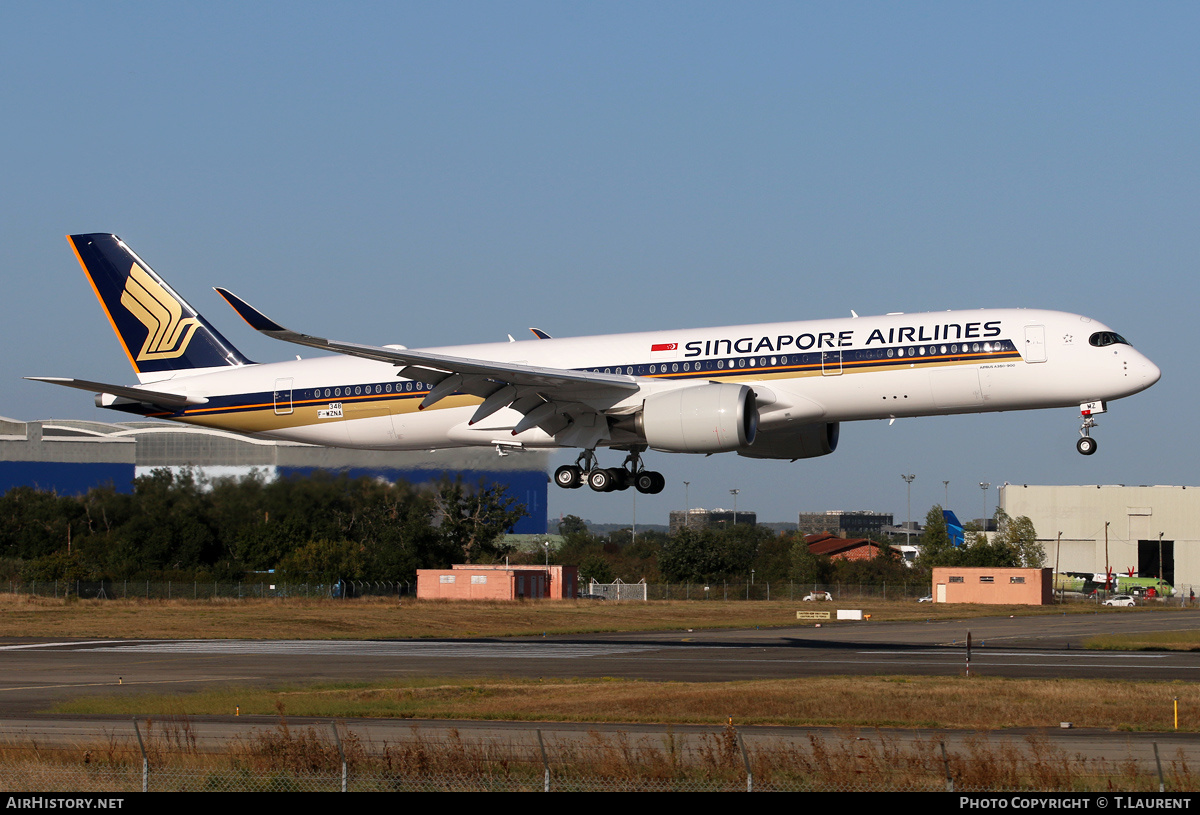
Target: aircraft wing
<point x="550" y="398"/>
<point x="168" y="400"/>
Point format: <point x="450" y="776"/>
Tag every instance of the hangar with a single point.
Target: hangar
<point x="1113" y="525"/>
<point x="72" y="456"/>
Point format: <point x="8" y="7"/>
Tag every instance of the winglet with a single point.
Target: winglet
<point x="257" y="320"/>
<point x="539" y="333"/>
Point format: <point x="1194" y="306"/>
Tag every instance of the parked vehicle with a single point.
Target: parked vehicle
<point x="1120" y="600"/>
<point x="819" y="595"/>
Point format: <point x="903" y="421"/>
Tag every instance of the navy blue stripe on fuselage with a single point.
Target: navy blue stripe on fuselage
<point x="780" y="366"/>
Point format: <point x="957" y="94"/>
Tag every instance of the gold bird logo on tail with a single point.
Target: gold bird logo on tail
<point x="168" y="332"/>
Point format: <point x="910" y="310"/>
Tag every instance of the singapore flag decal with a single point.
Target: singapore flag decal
<point x="664" y="350"/>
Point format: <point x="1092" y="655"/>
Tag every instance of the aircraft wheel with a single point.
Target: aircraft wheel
<point x="600" y="480"/>
<point x="644" y="481"/>
<point x="621" y="479"/>
<point x="1086" y="445"/>
<point x="660" y="483"/>
<point x="568" y="477"/>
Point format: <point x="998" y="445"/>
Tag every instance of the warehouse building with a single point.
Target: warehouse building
<point x="71" y="457"/>
<point x="1114" y="526"/>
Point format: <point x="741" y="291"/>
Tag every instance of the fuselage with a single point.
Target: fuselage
<point x="821" y="371"/>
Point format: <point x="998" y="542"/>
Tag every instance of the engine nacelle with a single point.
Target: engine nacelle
<point x="713" y="418"/>
<point x="806" y="441"/>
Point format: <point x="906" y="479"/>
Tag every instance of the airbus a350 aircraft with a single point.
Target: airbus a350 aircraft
<point x="778" y="390"/>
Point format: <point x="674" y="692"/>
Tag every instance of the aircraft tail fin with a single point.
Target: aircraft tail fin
<point x="157" y="328"/>
<point x="953" y="528"/>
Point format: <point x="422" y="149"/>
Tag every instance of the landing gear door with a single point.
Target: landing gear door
<point x="283" y="396"/>
<point x="1035" y="343"/>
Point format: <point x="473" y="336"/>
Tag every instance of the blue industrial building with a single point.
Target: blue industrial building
<point x="70" y="457"/>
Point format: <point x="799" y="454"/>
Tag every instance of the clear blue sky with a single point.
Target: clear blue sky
<point x="437" y="173"/>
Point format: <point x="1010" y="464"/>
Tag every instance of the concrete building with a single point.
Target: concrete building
<point x="1115" y="526"/>
<point x="71" y="457"/>
<point x="710" y="519"/>
<point x="844" y="523"/>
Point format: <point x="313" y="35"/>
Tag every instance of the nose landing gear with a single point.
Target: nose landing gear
<point x="629" y="474"/>
<point x="1086" y="444"/>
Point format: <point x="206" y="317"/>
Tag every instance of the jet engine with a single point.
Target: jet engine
<point x="712" y="418"/>
<point x="806" y="441"/>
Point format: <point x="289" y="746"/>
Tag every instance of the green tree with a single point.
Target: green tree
<point x="472" y="521"/>
<point x="1019" y="539"/>
<point x="572" y="525"/>
<point x="595" y="567"/>
<point x="710" y="554"/>
<point x="807" y="567"/>
<point x="936" y="547"/>
<point x="325" y="560"/>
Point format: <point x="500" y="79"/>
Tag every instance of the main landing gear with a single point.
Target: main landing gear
<point x="630" y="474"/>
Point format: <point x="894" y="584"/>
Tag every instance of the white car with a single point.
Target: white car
<point x="819" y="595"/>
<point x="1120" y="600"/>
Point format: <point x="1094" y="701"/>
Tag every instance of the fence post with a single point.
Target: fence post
<point x="946" y="767"/>
<point x="545" y="763"/>
<point x="145" y="758"/>
<point x="1161" y="786"/>
<point x="746" y="763"/>
<point x="342" y="753"/>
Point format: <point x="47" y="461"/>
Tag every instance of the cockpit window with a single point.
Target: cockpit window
<point x="1103" y="338"/>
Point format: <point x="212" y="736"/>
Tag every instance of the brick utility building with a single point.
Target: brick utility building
<point x="993" y="586"/>
<point x="496" y="581"/>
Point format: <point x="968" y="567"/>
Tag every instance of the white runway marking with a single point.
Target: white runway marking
<point x="465" y="650"/>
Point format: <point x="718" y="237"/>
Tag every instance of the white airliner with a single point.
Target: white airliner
<point x="777" y="390"/>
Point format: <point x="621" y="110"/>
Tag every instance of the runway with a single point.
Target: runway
<point x="38" y="673"/>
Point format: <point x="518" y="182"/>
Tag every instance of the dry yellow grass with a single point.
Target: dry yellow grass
<point x="946" y="702"/>
<point x="371" y="618"/>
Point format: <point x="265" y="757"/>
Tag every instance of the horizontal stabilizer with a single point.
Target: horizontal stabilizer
<point x="168" y="400"/>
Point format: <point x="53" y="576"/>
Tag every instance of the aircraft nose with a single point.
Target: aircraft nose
<point x="1150" y="372"/>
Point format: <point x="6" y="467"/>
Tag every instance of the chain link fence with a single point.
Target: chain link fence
<point x="347" y="589"/>
<point x="175" y="756"/>
<point x="197" y="590"/>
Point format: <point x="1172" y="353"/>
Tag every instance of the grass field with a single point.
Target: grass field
<point x="371" y="618"/>
<point x="876" y="701"/>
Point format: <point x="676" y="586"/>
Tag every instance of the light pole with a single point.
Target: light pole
<point x="908" y="479"/>
<point x="946" y="484"/>
<point x="687" y="505"/>
<point x="734" y="493"/>
<point x="1160" y="564"/>
<point x="983" y="485"/>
